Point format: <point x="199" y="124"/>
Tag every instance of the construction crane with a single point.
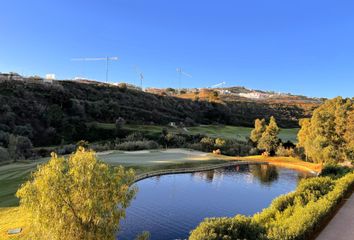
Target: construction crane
<point x="107" y="59"/>
<point x="141" y="76"/>
<point x="180" y="73"/>
<point x="218" y="85"/>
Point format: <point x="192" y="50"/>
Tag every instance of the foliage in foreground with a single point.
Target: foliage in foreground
<point x="76" y="198"/>
<point x="293" y="216"/>
<point x="239" y="227"/>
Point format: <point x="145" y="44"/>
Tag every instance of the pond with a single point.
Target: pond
<point x="170" y="206"/>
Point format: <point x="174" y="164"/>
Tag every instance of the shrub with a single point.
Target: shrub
<point x="137" y="145"/>
<point x="120" y="122"/>
<point x="254" y="151"/>
<point x="297" y="215"/>
<point x="175" y="140"/>
<point x="293" y="216"/>
<point x="4" y="155"/>
<point x="136" y="136"/>
<point x="285" y="152"/>
<point x="334" y="171"/>
<point x="238" y="227"/>
<point x="4" y="138"/>
<point x="189" y="122"/>
<point x="19" y="147"/>
<point x="207" y="143"/>
<point x="219" y="142"/>
<point x="66" y="149"/>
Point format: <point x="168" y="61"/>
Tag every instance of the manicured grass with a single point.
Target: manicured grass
<point x="288" y="162"/>
<point x="240" y="133"/>
<point x="13" y="175"/>
<point x="222" y="131"/>
<point x="11" y="218"/>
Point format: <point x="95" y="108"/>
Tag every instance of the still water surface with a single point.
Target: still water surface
<point x="170" y="206"/>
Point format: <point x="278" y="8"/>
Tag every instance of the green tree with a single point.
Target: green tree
<point x="4" y="155"/>
<point x="207" y="143"/>
<point x="76" y="198"/>
<point x="259" y="128"/>
<point x="328" y="135"/>
<point x="219" y="142"/>
<point x="19" y="147"/>
<point x="269" y="140"/>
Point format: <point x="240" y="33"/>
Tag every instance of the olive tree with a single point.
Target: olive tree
<point x="76" y="198"/>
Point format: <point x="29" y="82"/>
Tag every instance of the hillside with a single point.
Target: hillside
<point x="51" y="113"/>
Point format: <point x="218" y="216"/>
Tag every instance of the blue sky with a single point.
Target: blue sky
<point x="302" y="47"/>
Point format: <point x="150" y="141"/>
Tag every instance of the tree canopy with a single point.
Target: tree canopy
<point x="269" y="140"/>
<point x="328" y="136"/>
<point x="259" y="128"/>
<point x="76" y="198"/>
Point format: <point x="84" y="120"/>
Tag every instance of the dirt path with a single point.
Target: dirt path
<point x="341" y="227"/>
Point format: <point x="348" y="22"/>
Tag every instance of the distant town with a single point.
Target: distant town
<point x="192" y="93"/>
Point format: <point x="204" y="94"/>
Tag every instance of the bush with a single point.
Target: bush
<point x="175" y="140"/>
<point x="254" y="151"/>
<point x="238" y="227"/>
<point x="67" y="149"/>
<point x="120" y="122"/>
<point x="297" y="215"/>
<point x="334" y="171"/>
<point x="137" y="145"/>
<point x="19" y="147"/>
<point x="219" y="142"/>
<point x="284" y="152"/>
<point x="4" y="138"/>
<point x="136" y="136"/>
<point x="207" y="143"/>
<point x="293" y="216"/>
<point x="4" y="155"/>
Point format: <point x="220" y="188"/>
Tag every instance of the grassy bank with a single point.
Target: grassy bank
<point x="287" y="162"/>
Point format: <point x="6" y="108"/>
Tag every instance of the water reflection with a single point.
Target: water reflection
<point x="264" y="173"/>
<point x="170" y="206"/>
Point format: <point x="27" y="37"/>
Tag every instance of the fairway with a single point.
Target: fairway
<point x="221" y="131"/>
<point x="240" y="133"/>
<point x="13" y="175"/>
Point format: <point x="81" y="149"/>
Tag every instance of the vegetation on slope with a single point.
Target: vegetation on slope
<point x="52" y="114"/>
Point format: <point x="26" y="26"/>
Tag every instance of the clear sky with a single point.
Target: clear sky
<point x="303" y="46"/>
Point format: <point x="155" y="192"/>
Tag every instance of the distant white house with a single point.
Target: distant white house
<point x="255" y="95"/>
<point x="224" y="91"/>
<point x="49" y="78"/>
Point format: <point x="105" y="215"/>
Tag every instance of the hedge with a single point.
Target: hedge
<point x="293" y="216"/>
